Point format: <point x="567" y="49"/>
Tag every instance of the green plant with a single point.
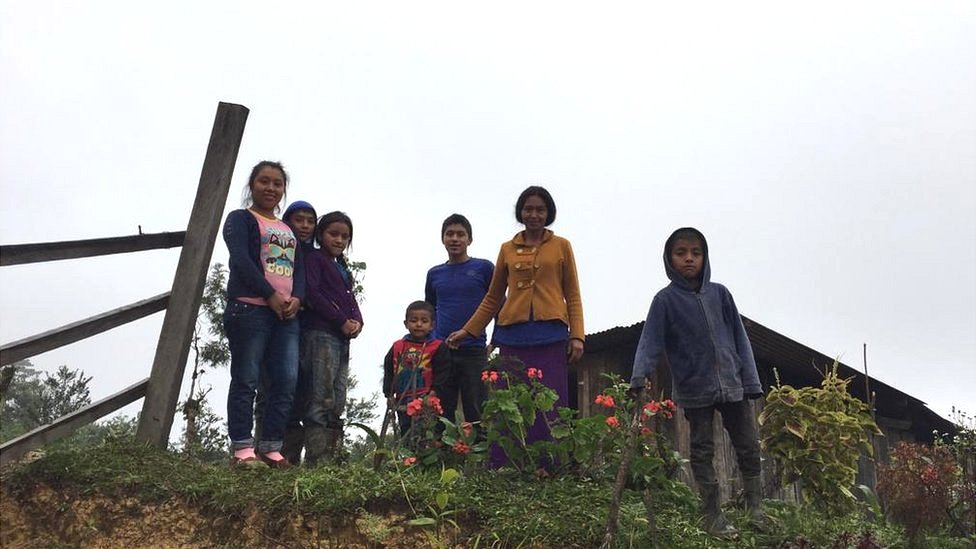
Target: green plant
<point x="816" y="436"/>
<point x="962" y="445"/>
<point x="433" y="441"/>
<point x="516" y="399"/>
<point x="439" y="513"/>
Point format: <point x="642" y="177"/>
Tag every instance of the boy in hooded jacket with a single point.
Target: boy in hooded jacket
<point x="695" y="323"/>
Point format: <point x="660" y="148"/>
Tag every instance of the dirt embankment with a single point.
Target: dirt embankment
<point x="49" y="517"/>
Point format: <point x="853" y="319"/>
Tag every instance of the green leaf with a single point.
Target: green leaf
<point x="441" y="499"/>
<point x="448" y="476"/>
<point x="422" y="521"/>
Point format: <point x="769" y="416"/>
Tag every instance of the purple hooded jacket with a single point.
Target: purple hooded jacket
<point x="329" y="298"/>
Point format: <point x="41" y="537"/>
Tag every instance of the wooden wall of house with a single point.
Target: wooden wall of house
<point x="613" y="351"/>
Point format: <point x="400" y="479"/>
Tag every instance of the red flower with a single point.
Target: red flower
<point x="460" y="447"/>
<point x="467" y="428"/>
<point x="605" y="400"/>
<point x="534" y="373"/>
<point x="414" y="407"/>
<point x="408" y="461"/>
<point x="487" y="376"/>
<point x="435" y="403"/>
<point x="484" y="375"/>
<point x="652" y="408"/>
<point x="613" y="421"/>
<point x="646" y="431"/>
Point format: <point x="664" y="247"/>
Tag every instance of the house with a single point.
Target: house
<point x="899" y="415"/>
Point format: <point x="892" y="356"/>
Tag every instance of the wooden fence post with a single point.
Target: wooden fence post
<point x="173" y="347"/>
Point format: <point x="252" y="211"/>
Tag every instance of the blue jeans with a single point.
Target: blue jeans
<point x="325" y="360"/>
<point x="258" y="339"/>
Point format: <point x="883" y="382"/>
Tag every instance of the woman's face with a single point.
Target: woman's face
<point x="534" y="213"/>
<point x="267" y="189"/>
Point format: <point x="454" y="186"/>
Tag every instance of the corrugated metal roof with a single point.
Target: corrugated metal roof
<point x="802" y="366"/>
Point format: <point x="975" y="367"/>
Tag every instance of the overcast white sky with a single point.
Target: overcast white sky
<point x="828" y="152"/>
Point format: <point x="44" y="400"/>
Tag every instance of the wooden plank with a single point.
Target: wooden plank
<point x="18" y="254"/>
<point x="15" y="449"/>
<point x="76" y="331"/>
<point x="191" y="274"/>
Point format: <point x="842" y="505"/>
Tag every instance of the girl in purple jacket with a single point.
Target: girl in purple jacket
<point x="331" y="319"/>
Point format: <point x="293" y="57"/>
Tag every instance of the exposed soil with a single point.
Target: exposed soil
<point x="50" y="517"/>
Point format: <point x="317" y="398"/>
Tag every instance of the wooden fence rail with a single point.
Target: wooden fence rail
<point x="161" y="389"/>
<point x="19" y="254"/>
<point x="16" y="448"/>
<point x="76" y="331"/>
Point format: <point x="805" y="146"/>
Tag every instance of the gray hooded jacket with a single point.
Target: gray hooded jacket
<point x="704" y="339"/>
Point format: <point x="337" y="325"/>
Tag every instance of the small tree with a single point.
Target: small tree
<point x="816" y="435"/>
<point x="34" y="398"/>
<point x="202" y="432"/>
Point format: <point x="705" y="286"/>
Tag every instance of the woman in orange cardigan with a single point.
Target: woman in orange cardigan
<point x="540" y="321"/>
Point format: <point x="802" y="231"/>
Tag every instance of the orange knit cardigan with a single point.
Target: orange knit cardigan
<point x="541" y="279"/>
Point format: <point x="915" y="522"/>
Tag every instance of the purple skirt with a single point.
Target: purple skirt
<point x="551" y="360"/>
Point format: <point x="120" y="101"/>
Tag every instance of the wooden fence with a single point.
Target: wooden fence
<point x="181" y="303"/>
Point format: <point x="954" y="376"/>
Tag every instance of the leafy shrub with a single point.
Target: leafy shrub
<point x="816" y="436"/>
<point x="917" y="485"/>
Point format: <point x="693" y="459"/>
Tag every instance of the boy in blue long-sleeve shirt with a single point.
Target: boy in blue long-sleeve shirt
<point x="455" y="289"/>
<point x="695" y="322"/>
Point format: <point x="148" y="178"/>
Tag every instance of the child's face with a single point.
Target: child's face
<point x="456" y="240"/>
<point x="303" y="221"/>
<point x="419" y="323"/>
<point x="688" y="258"/>
<point x="267" y="189"/>
<point x="335" y="238"/>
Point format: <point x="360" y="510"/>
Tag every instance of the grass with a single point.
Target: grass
<point x="485" y="509"/>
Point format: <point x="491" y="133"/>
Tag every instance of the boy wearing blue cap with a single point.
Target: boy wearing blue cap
<point x="301" y="217"/>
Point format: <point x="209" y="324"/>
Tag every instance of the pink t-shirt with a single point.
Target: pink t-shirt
<point x="277" y="256"/>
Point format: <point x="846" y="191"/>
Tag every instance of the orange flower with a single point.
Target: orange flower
<point x="613" y="421"/>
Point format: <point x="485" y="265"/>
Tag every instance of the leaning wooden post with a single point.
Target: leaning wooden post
<point x="173" y="347"/>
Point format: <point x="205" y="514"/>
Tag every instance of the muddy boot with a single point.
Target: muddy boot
<point x="316" y="443"/>
<point x="753" y="496"/>
<point x="714" y="522"/>
<point x="333" y="441"/>
<point x="291" y="446"/>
